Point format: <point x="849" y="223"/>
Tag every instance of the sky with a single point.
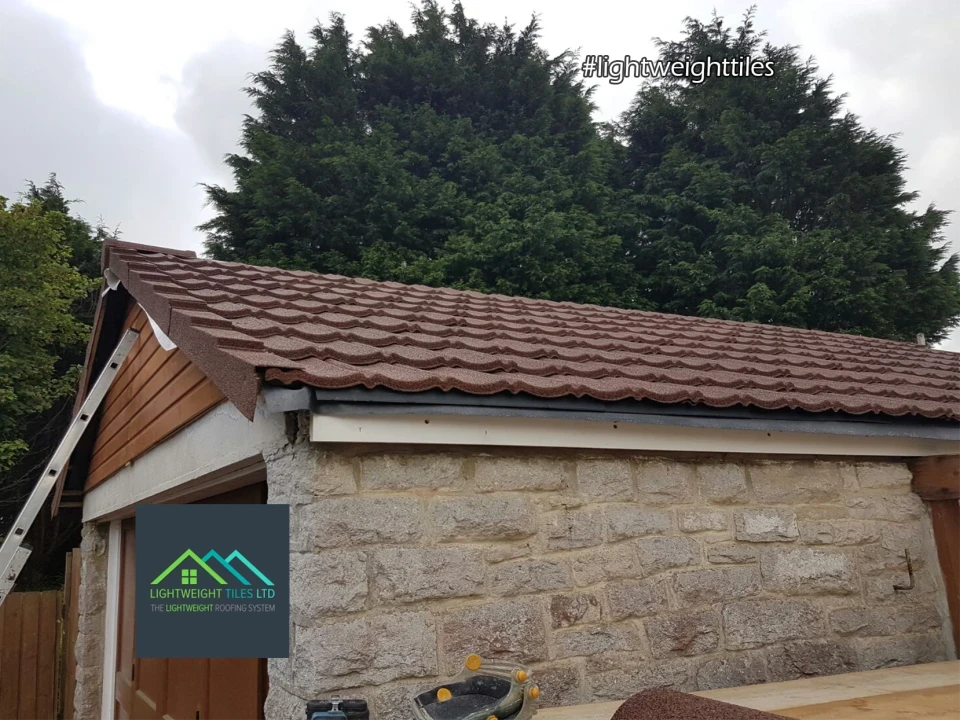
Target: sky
<point x="134" y="104"/>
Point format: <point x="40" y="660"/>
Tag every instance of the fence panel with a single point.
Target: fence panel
<point x="29" y="637"/>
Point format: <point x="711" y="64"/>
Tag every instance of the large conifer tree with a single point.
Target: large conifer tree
<point x="464" y="155"/>
<point x="764" y="201"/>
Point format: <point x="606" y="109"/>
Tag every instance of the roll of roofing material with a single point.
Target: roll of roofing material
<point x="673" y="705"/>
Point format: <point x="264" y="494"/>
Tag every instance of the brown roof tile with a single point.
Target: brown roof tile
<point x="242" y="324"/>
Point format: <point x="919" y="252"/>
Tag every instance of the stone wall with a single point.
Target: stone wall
<point x="607" y="574"/>
<point x="90" y="625"/>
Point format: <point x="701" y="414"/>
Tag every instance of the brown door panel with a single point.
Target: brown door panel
<point x="183" y="688"/>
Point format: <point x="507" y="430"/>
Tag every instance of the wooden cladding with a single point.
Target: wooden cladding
<point x="937" y="477"/>
<point x="155" y="394"/>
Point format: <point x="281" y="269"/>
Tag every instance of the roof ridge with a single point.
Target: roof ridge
<point x="765" y="328"/>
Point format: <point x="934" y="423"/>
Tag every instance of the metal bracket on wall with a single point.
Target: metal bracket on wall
<point x="906" y="554"/>
<point x="13" y="552"/>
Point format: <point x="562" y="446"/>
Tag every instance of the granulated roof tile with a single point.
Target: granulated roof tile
<point x="328" y="331"/>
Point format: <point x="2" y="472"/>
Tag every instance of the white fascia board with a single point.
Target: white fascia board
<point x="212" y="450"/>
<point x="550" y="433"/>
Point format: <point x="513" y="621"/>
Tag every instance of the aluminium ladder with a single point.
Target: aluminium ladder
<point x="13" y="552"/>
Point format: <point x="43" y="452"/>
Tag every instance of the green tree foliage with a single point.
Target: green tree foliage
<point x="765" y="202"/>
<point x="39" y="293"/>
<point x="465" y="155"/>
<point x="461" y="155"/>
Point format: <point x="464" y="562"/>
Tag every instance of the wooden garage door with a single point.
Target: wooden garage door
<point x="181" y="688"/>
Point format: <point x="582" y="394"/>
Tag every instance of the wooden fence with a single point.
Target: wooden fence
<point x="30" y="629"/>
<point x="38" y="631"/>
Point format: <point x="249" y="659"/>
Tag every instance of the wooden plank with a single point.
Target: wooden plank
<point x="50" y="603"/>
<point x="140" y="420"/>
<point x="10" y="656"/>
<point x="199" y="399"/>
<point x="929" y="704"/>
<point x="234" y="689"/>
<point x="937" y="477"/>
<point x="945" y="516"/>
<point x="149" y="360"/>
<point x="156" y="377"/>
<point x="773" y="697"/>
<point x="29" y="640"/>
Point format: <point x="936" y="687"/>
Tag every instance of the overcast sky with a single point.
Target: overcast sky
<point x="133" y="104"/>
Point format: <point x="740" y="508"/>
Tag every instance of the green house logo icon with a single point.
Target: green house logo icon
<point x="226" y="565"/>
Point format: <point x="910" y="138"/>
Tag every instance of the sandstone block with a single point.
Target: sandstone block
<point x="707" y="587"/>
<point x="694" y="521"/>
<point x="692" y="633"/>
<point x="594" y="639"/>
<point x="627" y="521"/>
<point x="88" y="692"/>
<point x="607" y="562"/>
<point x="732" y="554"/>
<point x="624" y="681"/>
<point x="507" y="629"/>
<point x="569" y="529"/>
<point x="487" y="517"/>
<point x="802" y="481"/>
<point x="605" y="480"/>
<point x="752" y="623"/>
<point x="517" y="473"/>
<point x="327" y="583"/>
<point x="394" y="472"/>
<point x="410" y="574"/>
<point x="560" y="684"/>
<point x="530" y="575"/>
<point x="372" y="650"/>
<point x="657" y="554"/>
<point x="900" y="650"/>
<point x="876" y="560"/>
<point x="507" y="551"/>
<point x="872" y="622"/>
<point x="897" y="507"/>
<point x="732" y="671"/>
<point x="333" y="522"/>
<point x="283" y="705"/>
<point x="573" y="608"/>
<point x="637" y="598"/>
<point x="665" y="482"/>
<point x="897" y="537"/>
<point x="884" y="475"/>
<point x="838" y="532"/>
<point x="300" y="476"/>
<point x="808" y="658"/>
<point x="766" y="525"/>
<point x="392" y="701"/>
<point x="722" y="483"/>
<point x="808" y="571"/>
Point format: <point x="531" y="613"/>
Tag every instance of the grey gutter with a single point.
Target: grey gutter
<point x="361" y="401"/>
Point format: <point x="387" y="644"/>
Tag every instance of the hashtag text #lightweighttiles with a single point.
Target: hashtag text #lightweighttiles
<point x="696" y="71"/>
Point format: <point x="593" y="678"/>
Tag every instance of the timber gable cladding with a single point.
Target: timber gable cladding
<point x="156" y="394"/>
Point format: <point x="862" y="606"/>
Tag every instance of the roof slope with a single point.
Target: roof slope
<point x="242" y="324"/>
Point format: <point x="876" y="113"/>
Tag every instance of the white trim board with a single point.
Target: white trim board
<point x="111" y="621"/>
<point x="549" y="433"/>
